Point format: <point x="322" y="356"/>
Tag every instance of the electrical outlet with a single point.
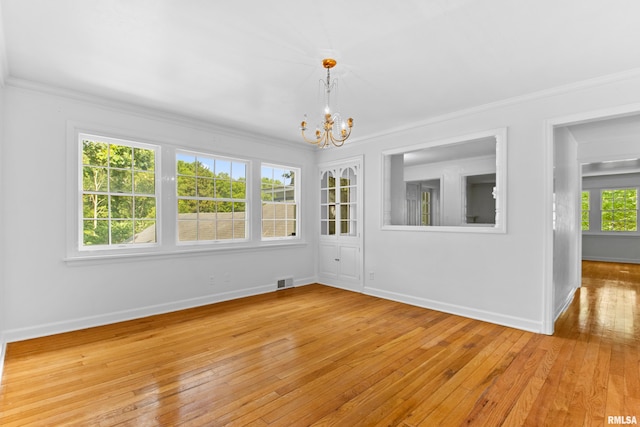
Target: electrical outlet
<point x="371" y="275"/>
<point x="212" y="280"/>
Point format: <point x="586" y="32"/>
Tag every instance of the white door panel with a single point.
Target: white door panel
<point x="340" y="248"/>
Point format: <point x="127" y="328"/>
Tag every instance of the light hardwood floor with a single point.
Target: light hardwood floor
<point x="315" y="355"/>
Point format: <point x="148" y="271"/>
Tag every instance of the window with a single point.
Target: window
<point x="339" y="201"/>
<point x="619" y="209"/>
<point x="468" y="178"/>
<point x="425" y="213"/>
<point x="585" y="211"/>
<point x="211" y="198"/>
<point x="118" y="193"/>
<point x="278" y="192"/>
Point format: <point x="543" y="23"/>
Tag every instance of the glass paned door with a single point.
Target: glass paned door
<point x="340" y="254"/>
<point x="328" y="204"/>
<point x="338" y="202"/>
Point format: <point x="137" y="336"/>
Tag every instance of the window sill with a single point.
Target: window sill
<point x="612" y="233"/>
<point x="469" y="228"/>
<point x="133" y="255"/>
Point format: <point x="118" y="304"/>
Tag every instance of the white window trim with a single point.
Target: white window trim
<point x="501" y="176"/>
<point x="247" y="199"/>
<point x="166" y="245"/>
<point x="79" y="193"/>
<point x="297" y="194"/>
<point x="595" y="229"/>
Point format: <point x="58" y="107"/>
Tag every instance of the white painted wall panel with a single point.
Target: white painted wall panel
<point x="3" y="309"/>
<point x="44" y="294"/>
<point x="566" y="235"/>
<point x="498" y="277"/>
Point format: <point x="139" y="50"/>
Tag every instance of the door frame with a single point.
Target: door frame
<point x="548" y="303"/>
<point x="359" y="239"/>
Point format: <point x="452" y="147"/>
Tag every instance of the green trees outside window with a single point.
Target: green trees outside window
<point x="585" y="211"/>
<point x="118" y="193"/>
<point x="279" y="201"/>
<point x="619" y="209"/>
<point x="211" y="197"/>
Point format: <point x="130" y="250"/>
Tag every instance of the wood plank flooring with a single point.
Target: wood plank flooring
<point x="320" y="356"/>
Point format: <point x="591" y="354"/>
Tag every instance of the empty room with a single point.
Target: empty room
<point x="294" y="213"/>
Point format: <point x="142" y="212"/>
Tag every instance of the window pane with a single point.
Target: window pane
<point x="120" y="156"/>
<point x="187" y="230"/>
<point x="207" y="207"/>
<point x="121" y="232"/>
<point x="214" y="196"/>
<point x="239" y="229"/>
<point x="111" y="213"/>
<point x="187" y="206"/>
<point x="145" y="232"/>
<point x="238" y="171"/>
<point x="143" y="159"/>
<point x="185" y="164"/>
<point x="95" y="232"/>
<point x="223" y="168"/>
<point x="632" y="224"/>
<point x="206" y="230"/>
<point x="619" y="210"/>
<point x="145" y="207"/>
<point x="121" y="207"/>
<point x="207" y="166"/>
<point x="205" y="187"/>
<point x="239" y="190"/>
<point x="291" y="228"/>
<point x="224" y="229"/>
<point x="144" y="182"/>
<point x="223" y="188"/>
<point x="95" y="206"/>
<point x="120" y="181"/>
<point x="279" y="189"/>
<point x="95" y="153"/>
<point x="94" y="179"/>
<point x="186" y="186"/>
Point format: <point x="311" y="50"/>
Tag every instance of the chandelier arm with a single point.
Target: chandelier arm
<point x="310" y="141"/>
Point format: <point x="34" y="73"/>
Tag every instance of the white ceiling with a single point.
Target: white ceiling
<point x="255" y="64"/>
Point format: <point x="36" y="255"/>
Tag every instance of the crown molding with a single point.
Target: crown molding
<point x="4" y="66"/>
<point x="151" y="113"/>
<point x="546" y="93"/>
<point x="238" y="131"/>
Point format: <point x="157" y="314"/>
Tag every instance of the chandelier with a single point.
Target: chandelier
<point x="332" y="129"/>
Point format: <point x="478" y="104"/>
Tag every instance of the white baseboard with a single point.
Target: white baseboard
<point x="486" y="316"/>
<point x="565" y="304"/>
<point x="20" y="334"/>
<point x="3" y="352"/>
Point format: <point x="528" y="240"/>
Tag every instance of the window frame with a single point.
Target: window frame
<point x="613" y="210"/>
<point x="246" y="200"/>
<point x="297" y="193"/>
<point x="80" y="192"/>
<point x="166" y="244"/>
<point x="587" y="210"/>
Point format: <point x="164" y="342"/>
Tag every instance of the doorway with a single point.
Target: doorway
<point x="610" y="136"/>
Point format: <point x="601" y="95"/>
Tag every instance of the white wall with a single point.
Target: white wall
<point x="566" y="235"/>
<point x="2" y="234"/>
<point x="498" y="277"/>
<point x="45" y="294"/>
